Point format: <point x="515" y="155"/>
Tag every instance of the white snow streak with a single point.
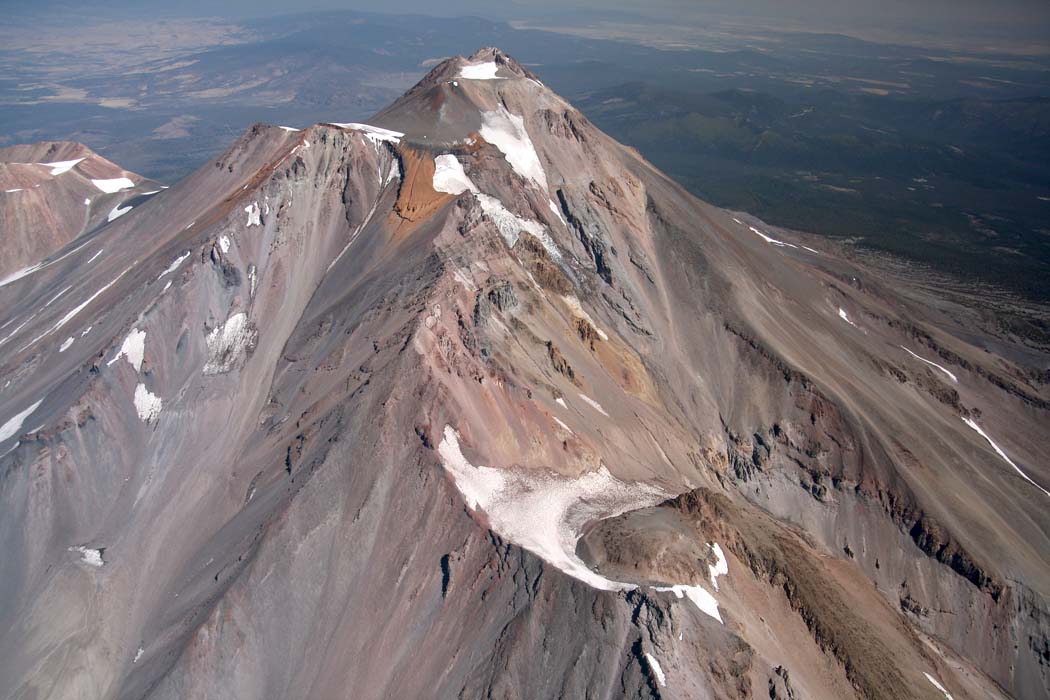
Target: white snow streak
<point x="932" y="364"/>
<point x="141" y="651"/>
<point x="288" y="128"/>
<point x="62" y="166"/>
<point x="95" y="256"/>
<point x="845" y="317"/>
<point x="562" y="424"/>
<point x="594" y="404"/>
<point x="148" y="405"/>
<point x="654" y="666"/>
<point x="507" y="132"/>
<point x="69" y="315"/>
<point x="12" y="191"/>
<point x="374" y="134"/>
<point x="174" y="265"/>
<point x="542" y="511"/>
<point x="938" y="686"/>
<point x="561" y="402"/>
<point x="774" y="241"/>
<point x="578" y="310"/>
<point x="973" y="424"/>
<point x="14" y="424"/>
<point x="556" y="211"/>
<point x="480" y="71"/>
<point x="65" y="344"/>
<point x="116" y="212"/>
<point x="133" y="348"/>
<point x="113" y="185"/>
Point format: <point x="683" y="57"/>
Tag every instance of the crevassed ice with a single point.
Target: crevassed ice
<point x="112" y="185"/>
<point x="228" y="344"/>
<point x="507" y="132"/>
<point x="545" y="512"/>
<point x="91" y="557"/>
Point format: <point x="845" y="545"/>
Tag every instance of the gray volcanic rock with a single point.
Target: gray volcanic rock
<point x="473" y="402"/>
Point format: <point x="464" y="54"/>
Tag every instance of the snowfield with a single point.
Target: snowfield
<point x="449" y="176"/>
<point x="507" y="132"/>
<point x="542" y="511"/>
<point x="480" y="71"/>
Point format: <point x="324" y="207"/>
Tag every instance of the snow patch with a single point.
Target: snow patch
<point x="113" y="185"/>
<point x="561" y="402"/>
<point x="932" y="364"/>
<point x="65" y="344"/>
<point x="703" y="600"/>
<point x="594" y="404"/>
<point x="720" y="567"/>
<point x="133" y="348"/>
<point x="229" y="344"/>
<point x="14" y="424"/>
<point x="563" y="426"/>
<point x="117" y="212"/>
<point x="95" y="256"/>
<point x="147" y="404"/>
<point x="973" y="424"/>
<point x="254" y="215"/>
<point x="288" y="128"/>
<point x="91" y="557"/>
<point x="253" y="280"/>
<point x="11" y="191"/>
<point x="87" y="201"/>
<point x="62" y="166"/>
<point x="938" y="686"/>
<point x="657" y="672"/>
<point x="556" y="211"/>
<point x="70" y="314"/>
<point x="224" y="243"/>
<point x="138" y="655"/>
<point x="480" y="71"/>
<point x="507" y="132"/>
<point x="449" y="176"/>
<point x="542" y="511"/>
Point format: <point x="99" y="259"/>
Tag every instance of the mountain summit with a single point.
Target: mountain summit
<point x="471" y="401"/>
